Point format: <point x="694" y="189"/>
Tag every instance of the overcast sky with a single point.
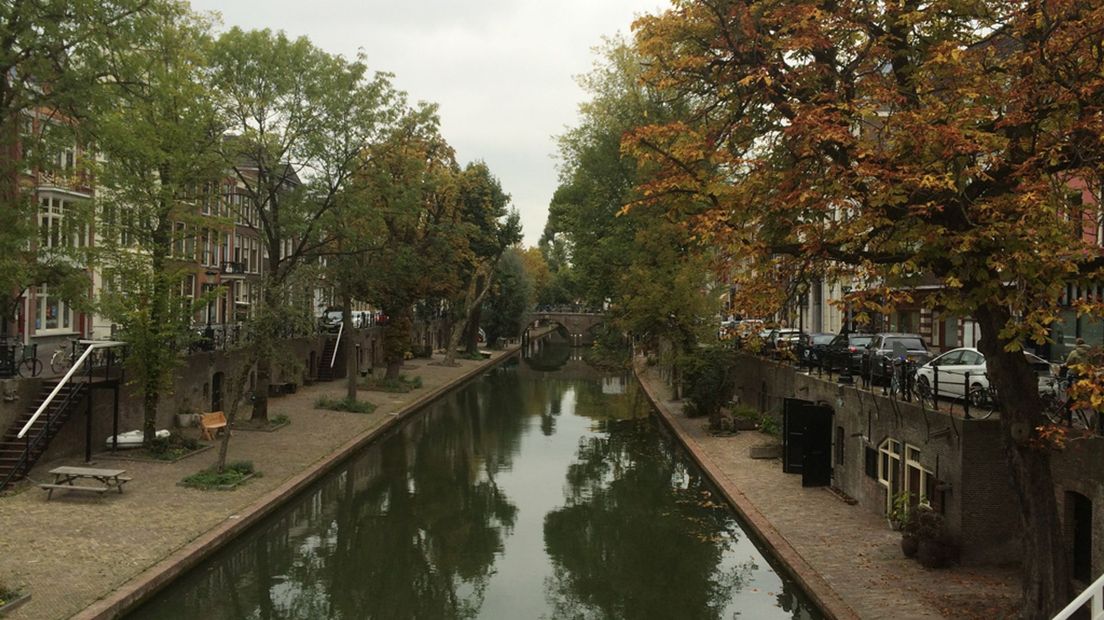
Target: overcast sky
<point x="501" y="70"/>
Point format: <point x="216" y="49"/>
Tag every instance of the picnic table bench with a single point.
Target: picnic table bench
<point x="65" y="476"/>
<point x="211" y="423"/>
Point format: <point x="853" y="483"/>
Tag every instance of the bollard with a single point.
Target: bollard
<point x="966" y="391"/>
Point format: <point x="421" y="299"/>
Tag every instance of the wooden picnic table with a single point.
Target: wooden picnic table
<point x="66" y="475"/>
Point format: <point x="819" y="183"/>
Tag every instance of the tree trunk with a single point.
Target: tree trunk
<point x="153" y="366"/>
<point x="1046" y="578"/>
<point x="470" y="310"/>
<point x="350" y="350"/>
<point x="396" y="339"/>
<point x="264" y="339"/>
<point x="236" y="389"/>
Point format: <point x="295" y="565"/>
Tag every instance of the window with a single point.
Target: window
<point x="972" y="358"/>
<point x="919" y="482"/>
<point x="871" y="463"/>
<point x="51" y="312"/>
<point x="187" y="286"/>
<point x="889" y="470"/>
<point x="58" y="224"/>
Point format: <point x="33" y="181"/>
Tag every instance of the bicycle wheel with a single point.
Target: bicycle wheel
<point x="30" y="367"/>
<point x="59" y="362"/>
<point x="924" y="393"/>
<point x="982" y="402"/>
<point x="1054" y="408"/>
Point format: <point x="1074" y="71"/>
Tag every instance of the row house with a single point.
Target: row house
<point x="61" y="190"/>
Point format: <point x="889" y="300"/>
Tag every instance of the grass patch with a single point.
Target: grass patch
<point x="745" y="412"/>
<point x="8" y="595"/>
<point x="344" y="404"/>
<point x="234" y="474"/>
<point x="401" y="385"/>
<point x="281" y="420"/>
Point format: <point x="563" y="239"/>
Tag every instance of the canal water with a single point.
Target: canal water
<point x="541" y="490"/>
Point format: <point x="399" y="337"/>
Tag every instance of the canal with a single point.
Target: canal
<point x="541" y="490"/>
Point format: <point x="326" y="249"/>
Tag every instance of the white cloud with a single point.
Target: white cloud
<point x="501" y="70"/>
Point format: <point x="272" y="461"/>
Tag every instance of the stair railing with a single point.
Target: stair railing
<point x="1095" y="594"/>
<point x="337" y="344"/>
<point x="64" y="380"/>
<point x="71" y="398"/>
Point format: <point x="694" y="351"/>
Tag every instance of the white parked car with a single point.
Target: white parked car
<point x="954" y="365"/>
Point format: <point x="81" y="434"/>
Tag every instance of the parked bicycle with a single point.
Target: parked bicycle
<point x="25" y="365"/>
<point x="983" y="401"/>
<point x="1058" y="406"/>
<point x="62" y="358"/>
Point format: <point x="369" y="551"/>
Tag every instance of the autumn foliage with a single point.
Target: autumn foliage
<point x="891" y="144"/>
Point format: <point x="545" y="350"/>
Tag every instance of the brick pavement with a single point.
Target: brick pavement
<point x="77" y="548"/>
<point x="848" y="557"/>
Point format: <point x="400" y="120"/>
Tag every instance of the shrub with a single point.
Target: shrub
<point x="768" y="426"/>
<point x="280" y="419"/>
<point x="708" y="380"/>
<point x="172" y="447"/>
<point x="233" y="475"/>
<point x="7" y="595"/>
<point x="344" y="404"/>
<point x="402" y="384"/>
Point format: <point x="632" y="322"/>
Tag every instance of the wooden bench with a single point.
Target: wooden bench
<point x="50" y="488"/>
<point x="211" y="423"/>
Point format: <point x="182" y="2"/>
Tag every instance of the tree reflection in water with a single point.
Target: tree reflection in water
<point x="633" y="506"/>
<point x="409" y="530"/>
<point x="417" y="525"/>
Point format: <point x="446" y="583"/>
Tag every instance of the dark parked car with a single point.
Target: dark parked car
<point x="846" y="350"/>
<point x="814" y="347"/>
<point x="890" y="347"/>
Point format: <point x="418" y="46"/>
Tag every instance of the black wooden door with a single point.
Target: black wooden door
<point x="793" y="434"/>
<point x="816" y="459"/>
<point x="807" y="441"/>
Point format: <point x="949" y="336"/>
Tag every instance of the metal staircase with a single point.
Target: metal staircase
<point x="18" y="455"/>
<point x="330" y="369"/>
<point x="31" y="433"/>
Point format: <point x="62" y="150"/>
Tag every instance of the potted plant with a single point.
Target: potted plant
<point x="899" y="511"/>
<point x="910" y="535"/>
<point x="936" y="549"/>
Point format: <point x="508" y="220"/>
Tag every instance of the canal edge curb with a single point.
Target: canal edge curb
<point x="826" y="598"/>
<point x="138" y="589"/>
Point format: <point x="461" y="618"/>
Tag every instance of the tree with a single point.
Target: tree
<point x="159" y="132"/>
<point x="649" y="267"/>
<point x="411" y="183"/>
<point x="488" y="230"/>
<point x="302" y="121"/>
<point x="885" y="141"/>
<point x="48" y="70"/>
<point x="510" y="297"/>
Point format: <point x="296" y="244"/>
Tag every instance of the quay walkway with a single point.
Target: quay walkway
<point x="846" y="557"/>
<point x="87" y="557"/>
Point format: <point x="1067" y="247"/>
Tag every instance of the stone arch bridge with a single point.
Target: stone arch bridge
<point x="579" y="325"/>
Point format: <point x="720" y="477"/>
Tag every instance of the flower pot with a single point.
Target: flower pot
<point x="910" y="545"/>
<point x="932" y="553"/>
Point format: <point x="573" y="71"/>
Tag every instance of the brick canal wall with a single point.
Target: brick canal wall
<point x="964" y="458"/>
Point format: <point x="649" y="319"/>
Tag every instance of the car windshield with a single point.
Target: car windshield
<point x="861" y="341"/>
<point x="822" y="338"/>
<point x="912" y="344"/>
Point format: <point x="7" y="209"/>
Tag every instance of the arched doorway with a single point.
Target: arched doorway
<point x="216" y="392"/>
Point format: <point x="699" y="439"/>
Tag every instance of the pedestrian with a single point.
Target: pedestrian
<point x="1079" y="355"/>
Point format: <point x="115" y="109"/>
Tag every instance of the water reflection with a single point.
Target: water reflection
<point x="532" y="493"/>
